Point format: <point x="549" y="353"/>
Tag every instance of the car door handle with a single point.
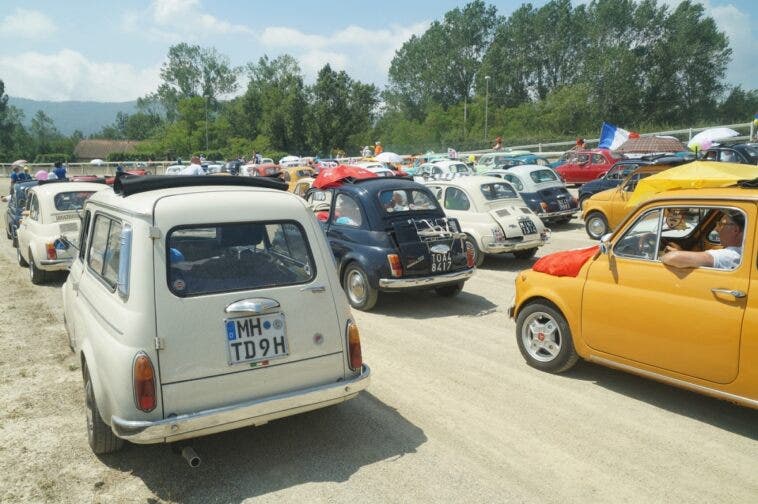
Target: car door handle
<point x="253" y="306"/>
<point x="314" y="288"/>
<point x="731" y="292"/>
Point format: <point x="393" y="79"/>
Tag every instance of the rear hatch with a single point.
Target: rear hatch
<point x="244" y="306"/>
<point x="430" y="246"/>
<point x="557" y="198"/>
<point x="516" y="220"/>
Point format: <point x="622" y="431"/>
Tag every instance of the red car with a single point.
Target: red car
<point x="585" y="165"/>
<point x="137" y="171"/>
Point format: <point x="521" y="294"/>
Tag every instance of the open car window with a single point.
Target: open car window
<point x="406" y="200"/>
<point x="232" y="257"/>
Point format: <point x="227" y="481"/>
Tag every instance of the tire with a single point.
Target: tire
<point x="596" y="225"/>
<point x="360" y="294"/>
<point x="99" y="435"/>
<point x="449" y="290"/>
<point x="525" y="254"/>
<point x="37" y="275"/>
<point x="21" y="261"/>
<point x="478" y="255"/>
<point x="544" y="338"/>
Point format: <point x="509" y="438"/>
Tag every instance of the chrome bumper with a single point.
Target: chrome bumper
<point x="56" y="262"/>
<point x="559" y="213"/>
<point x="428" y="281"/>
<point x="256" y="412"/>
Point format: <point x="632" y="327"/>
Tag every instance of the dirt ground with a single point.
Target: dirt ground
<point x="453" y="414"/>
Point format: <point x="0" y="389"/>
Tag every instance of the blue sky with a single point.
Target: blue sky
<point x="112" y="51"/>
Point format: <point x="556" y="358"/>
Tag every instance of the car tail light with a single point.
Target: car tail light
<point x="543" y="205"/>
<point x="51" y="253"/>
<point x="354" y="346"/>
<point x="144" y="383"/>
<point x="470" y="254"/>
<point x="396" y="267"/>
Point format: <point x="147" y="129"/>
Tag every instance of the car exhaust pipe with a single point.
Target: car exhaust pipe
<point x="192" y="458"/>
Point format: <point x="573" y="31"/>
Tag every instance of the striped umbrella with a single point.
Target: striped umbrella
<point x="645" y="144"/>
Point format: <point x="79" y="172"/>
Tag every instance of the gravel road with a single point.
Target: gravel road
<point x="453" y="414"/>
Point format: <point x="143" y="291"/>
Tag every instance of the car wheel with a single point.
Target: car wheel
<point x="525" y="254"/>
<point x="21" y="261"/>
<point x="544" y="338"/>
<point x="596" y="225"/>
<point x="359" y="292"/>
<point x="99" y="434"/>
<point x="478" y="255"/>
<point x="37" y="275"/>
<point x="449" y="290"/>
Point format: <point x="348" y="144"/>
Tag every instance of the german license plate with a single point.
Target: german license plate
<point x="253" y="339"/>
<point x="563" y="204"/>
<point x="441" y="262"/>
<point x="527" y="227"/>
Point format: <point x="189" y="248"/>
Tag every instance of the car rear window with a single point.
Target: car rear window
<point x="232" y="257"/>
<point x="71" y="200"/>
<point x="406" y="200"/>
<point x="543" y="176"/>
<point x="498" y="191"/>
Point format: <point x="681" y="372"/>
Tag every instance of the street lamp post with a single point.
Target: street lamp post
<point x="486" y="104"/>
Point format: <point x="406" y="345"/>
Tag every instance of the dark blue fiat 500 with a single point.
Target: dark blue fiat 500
<point x="15" y="207"/>
<point x="390" y="235"/>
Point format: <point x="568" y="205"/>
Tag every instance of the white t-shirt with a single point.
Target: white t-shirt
<point x="193" y="169"/>
<point x="726" y="258"/>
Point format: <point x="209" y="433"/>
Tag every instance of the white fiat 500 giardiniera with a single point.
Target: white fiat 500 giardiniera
<point x="51" y="212"/>
<point x="192" y="317"/>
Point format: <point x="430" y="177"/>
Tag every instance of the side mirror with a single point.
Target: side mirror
<point x="605" y="244"/>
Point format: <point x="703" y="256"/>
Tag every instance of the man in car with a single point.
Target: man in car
<point x="731" y="228"/>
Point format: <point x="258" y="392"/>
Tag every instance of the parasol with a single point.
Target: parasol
<point x="651" y="144"/>
<point x="706" y="138"/>
<point x="389" y="157"/>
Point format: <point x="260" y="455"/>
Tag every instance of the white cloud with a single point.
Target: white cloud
<point x="187" y="18"/>
<point x="738" y="26"/>
<point x="363" y="53"/>
<point x="27" y="24"/>
<point x="69" y="75"/>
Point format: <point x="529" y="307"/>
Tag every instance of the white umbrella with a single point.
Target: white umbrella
<point x="388" y="157"/>
<point x="287" y="159"/>
<point x="19" y="162"/>
<point x="706" y="138"/>
<point x="97" y="162"/>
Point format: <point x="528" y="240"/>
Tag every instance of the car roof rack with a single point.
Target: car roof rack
<point x="126" y="184"/>
<point x="58" y="181"/>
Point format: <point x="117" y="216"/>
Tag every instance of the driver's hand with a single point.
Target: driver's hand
<point x="671" y="247"/>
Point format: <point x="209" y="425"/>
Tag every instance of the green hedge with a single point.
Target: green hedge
<point x="52" y="158"/>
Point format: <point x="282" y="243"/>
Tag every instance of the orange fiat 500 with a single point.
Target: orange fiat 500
<point x="695" y="328"/>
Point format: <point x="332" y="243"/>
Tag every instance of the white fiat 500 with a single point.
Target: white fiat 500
<point x="190" y="317"/>
<point x="52" y="211"/>
<point x="491" y="212"/>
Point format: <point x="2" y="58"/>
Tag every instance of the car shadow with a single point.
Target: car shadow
<point x="426" y="304"/>
<point x="575" y="223"/>
<point x="329" y="444"/>
<point x="508" y="262"/>
<point x="722" y="414"/>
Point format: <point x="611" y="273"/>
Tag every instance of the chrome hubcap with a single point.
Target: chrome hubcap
<point x="596" y="226"/>
<point x="541" y="337"/>
<point x="356" y="287"/>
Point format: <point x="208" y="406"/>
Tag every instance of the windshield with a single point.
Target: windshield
<point x="543" y="176"/>
<point x="71" y="200"/>
<point x="498" y="191"/>
<point x="405" y="200"/>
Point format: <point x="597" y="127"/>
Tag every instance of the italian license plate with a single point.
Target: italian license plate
<point x="253" y="339"/>
<point x="441" y="262"/>
<point x="563" y="204"/>
<point x="527" y="227"/>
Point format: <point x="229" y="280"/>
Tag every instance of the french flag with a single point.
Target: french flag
<point x="611" y="136"/>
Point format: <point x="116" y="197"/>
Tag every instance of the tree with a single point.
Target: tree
<point x="43" y="132"/>
<point x="190" y="71"/>
<point x="441" y="65"/>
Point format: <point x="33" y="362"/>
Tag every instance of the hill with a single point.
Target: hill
<point x="87" y="117"/>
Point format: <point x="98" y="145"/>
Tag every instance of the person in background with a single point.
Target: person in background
<point x="366" y="152"/>
<point x="498" y="143"/>
<point x="15" y="175"/>
<point x="378" y="148"/>
<point x="25" y="176"/>
<point x="193" y="168"/>
<point x="40" y="175"/>
<point x="580" y="144"/>
<point x="59" y="170"/>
